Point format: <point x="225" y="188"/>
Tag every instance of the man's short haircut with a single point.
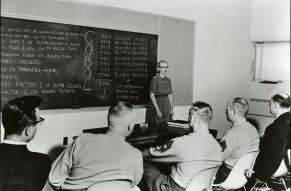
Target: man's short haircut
<point x="203" y="109"/>
<point x="239" y="104"/>
<point x="19" y="113"/>
<point x="118" y="109"/>
<point x="283" y="99"/>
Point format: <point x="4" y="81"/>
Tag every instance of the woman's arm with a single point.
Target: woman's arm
<point x="152" y="96"/>
<point x="171" y="102"/>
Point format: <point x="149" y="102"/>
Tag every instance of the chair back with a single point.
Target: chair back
<point x="236" y="178"/>
<point x="202" y="180"/>
<point x="283" y="169"/>
<point x="113" y="185"/>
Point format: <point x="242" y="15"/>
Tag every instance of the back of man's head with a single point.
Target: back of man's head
<point x="19" y="113"/>
<point x="239" y="105"/>
<point x="121" y="117"/>
<point x="203" y="111"/>
<point x="283" y="99"/>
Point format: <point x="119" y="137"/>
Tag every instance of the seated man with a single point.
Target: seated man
<point x="95" y="158"/>
<point x="187" y="155"/>
<point x="21" y="169"/>
<point x="275" y="142"/>
<point x="239" y="140"/>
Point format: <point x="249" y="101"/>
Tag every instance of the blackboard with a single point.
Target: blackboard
<point x="75" y="66"/>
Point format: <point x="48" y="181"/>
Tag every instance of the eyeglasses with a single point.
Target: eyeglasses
<point x="164" y="67"/>
<point x="40" y="121"/>
<point x="189" y="118"/>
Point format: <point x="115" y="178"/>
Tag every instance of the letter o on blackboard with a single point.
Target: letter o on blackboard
<point x="88" y="49"/>
<point x="87" y="73"/>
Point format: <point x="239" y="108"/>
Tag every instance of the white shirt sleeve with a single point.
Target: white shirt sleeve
<point x="61" y="167"/>
<point x="168" y="152"/>
<point x="229" y="144"/>
<point x="139" y="171"/>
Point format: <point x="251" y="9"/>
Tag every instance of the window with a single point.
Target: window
<point x="272" y="61"/>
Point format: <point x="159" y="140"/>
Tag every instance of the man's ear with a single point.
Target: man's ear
<point x="27" y="130"/>
<point x="277" y="105"/>
<point x="128" y="128"/>
<point x="131" y="126"/>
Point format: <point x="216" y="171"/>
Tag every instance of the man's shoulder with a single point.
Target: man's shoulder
<point x="285" y="118"/>
<point x="91" y="137"/>
<point x="131" y="149"/>
<point x="28" y="160"/>
<point x="248" y="129"/>
<point x="135" y="151"/>
<point x="231" y="132"/>
<point x="39" y="158"/>
<point x="192" y="137"/>
<point x="237" y="129"/>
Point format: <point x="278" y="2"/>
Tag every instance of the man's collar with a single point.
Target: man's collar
<point x="11" y="142"/>
<point x="240" y="121"/>
<point x="112" y="133"/>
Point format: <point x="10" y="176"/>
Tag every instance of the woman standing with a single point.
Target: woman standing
<point x="161" y="103"/>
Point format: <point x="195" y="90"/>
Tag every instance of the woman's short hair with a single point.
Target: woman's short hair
<point x="203" y="109"/>
<point x="159" y="64"/>
<point x="282" y="98"/>
<point x="239" y="104"/>
<point x="19" y="113"/>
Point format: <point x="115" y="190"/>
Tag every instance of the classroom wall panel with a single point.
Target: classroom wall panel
<point x="172" y="50"/>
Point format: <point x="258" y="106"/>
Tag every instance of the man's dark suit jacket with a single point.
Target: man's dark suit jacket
<point x="273" y="147"/>
<point x="22" y="170"/>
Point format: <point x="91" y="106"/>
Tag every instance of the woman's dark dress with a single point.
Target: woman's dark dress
<point x="161" y="87"/>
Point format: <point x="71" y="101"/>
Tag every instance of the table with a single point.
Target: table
<point x="154" y="134"/>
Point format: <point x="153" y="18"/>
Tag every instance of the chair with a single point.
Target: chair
<point x="280" y="172"/>
<point x="47" y="187"/>
<point x="203" y="180"/>
<point x="113" y="185"/>
<point x="283" y="169"/>
<point x="236" y="178"/>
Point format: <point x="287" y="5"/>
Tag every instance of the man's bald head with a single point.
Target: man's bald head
<point x="121" y="117"/>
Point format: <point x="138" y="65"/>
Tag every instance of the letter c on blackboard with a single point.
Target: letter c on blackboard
<point x="89" y="36"/>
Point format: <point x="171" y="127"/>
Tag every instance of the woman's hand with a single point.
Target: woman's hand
<point x="159" y="113"/>
<point x="172" y="112"/>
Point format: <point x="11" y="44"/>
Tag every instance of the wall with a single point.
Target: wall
<point x="270" y="20"/>
<point x="222" y="61"/>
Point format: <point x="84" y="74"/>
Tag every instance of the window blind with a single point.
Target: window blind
<point x="272" y="61"/>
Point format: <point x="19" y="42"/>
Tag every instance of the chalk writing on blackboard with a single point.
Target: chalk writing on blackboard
<point x="70" y="65"/>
